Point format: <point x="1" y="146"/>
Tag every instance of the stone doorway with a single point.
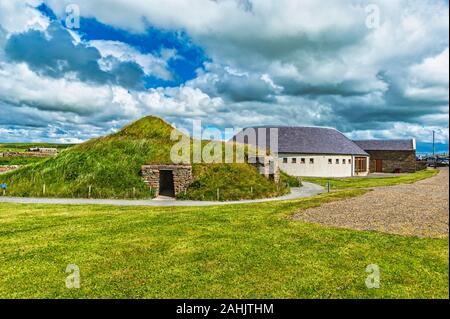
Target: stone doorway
<point x="166" y="186"/>
<point x="167" y="180"/>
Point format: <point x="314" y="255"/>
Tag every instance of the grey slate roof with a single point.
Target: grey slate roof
<point x="386" y="145"/>
<point x="312" y="140"/>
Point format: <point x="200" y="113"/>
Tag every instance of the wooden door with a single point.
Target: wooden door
<point x="378" y="166"/>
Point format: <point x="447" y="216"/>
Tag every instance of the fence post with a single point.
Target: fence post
<point x="89" y="192"/>
<point x="134" y="192"/>
<point x="43" y="189"/>
<point x="218" y="194"/>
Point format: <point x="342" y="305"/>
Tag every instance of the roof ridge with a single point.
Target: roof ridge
<point x="289" y="126"/>
<point x="391" y="139"/>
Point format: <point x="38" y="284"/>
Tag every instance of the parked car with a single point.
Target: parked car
<point x="442" y="162"/>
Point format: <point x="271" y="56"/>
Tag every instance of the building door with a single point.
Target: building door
<point x="360" y="164"/>
<point x="378" y="166"/>
<point x="166" y="187"/>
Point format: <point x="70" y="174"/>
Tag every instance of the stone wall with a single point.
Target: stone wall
<point x="8" y="168"/>
<point x="182" y="176"/>
<point x="26" y="154"/>
<point x="421" y="165"/>
<point x="267" y="166"/>
<point x="393" y="161"/>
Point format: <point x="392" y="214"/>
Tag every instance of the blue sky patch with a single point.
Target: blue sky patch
<point x="190" y="57"/>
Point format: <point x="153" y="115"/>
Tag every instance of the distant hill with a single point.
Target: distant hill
<point x="111" y="166"/>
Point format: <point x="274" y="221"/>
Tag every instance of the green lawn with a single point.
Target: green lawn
<point x="235" y="251"/>
<point x="360" y="182"/>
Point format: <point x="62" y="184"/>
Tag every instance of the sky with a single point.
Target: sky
<point x="73" y="70"/>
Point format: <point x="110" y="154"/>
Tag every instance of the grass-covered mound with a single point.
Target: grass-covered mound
<point x="110" y="166"/>
<point x="230" y="182"/>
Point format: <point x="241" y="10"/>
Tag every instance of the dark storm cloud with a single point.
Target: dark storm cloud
<point x="54" y="54"/>
<point x="234" y="86"/>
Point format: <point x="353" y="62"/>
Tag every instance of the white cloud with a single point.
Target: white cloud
<point x="27" y="98"/>
<point x="272" y="62"/>
<point x="20" y="15"/>
<point x="297" y="43"/>
<point x="429" y="80"/>
<point x="399" y="130"/>
<point x="20" y="85"/>
<point x="152" y="65"/>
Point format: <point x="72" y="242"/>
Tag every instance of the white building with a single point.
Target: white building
<point x="310" y="151"/>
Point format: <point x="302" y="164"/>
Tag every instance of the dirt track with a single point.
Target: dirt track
<point x="419" y="209"/>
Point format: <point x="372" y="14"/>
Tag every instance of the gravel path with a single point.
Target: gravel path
<point x="419" y="209"/>
<point x="307" y="190"/>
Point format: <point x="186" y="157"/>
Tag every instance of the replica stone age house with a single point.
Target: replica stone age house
<point x="313" y="151"/>
<point x="390" y="156"/>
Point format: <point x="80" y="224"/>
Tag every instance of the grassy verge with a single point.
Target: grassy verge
<point x="346" y="183"/>
<point x="291" y="181"/>
<point x="235" y="251"/>
<point x="21" y="160"/>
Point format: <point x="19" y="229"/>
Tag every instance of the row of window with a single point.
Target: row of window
<point x="311" y="160"/>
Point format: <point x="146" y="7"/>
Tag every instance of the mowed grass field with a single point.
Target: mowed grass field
<point x="234" y="251"/>
<point x="363" y="182"/>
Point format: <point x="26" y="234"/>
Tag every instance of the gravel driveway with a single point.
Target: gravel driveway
<point x="419" y="209"/>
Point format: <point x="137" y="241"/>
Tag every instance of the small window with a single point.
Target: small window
<point x="337" y="160"/>
<point x="343" y="161"/>
<point x="302" y="161"/>
<point x="330" y="161"/>
<point x="285" y="160"/>
<point x="349" y="161"/>
<point x="294" y="160"/>
<point x="311" y="161"/>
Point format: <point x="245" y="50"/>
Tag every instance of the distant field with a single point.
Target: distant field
<point x="347" y="183"/>
<point x="22" y="147"/>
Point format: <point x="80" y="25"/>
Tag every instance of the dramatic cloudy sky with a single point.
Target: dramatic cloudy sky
<point x="372" y="69"/>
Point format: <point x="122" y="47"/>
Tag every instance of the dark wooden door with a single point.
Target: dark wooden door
<point x="166" y="186"/>
<point x="378" y="166"/>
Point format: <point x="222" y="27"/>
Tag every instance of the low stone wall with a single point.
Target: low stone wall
<point x="8" y="168"/>
<point x="421" y="165"/>
<point x="182" y="176"/>
<point x="26" y="154"/>
<point x="267" y="166"/>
